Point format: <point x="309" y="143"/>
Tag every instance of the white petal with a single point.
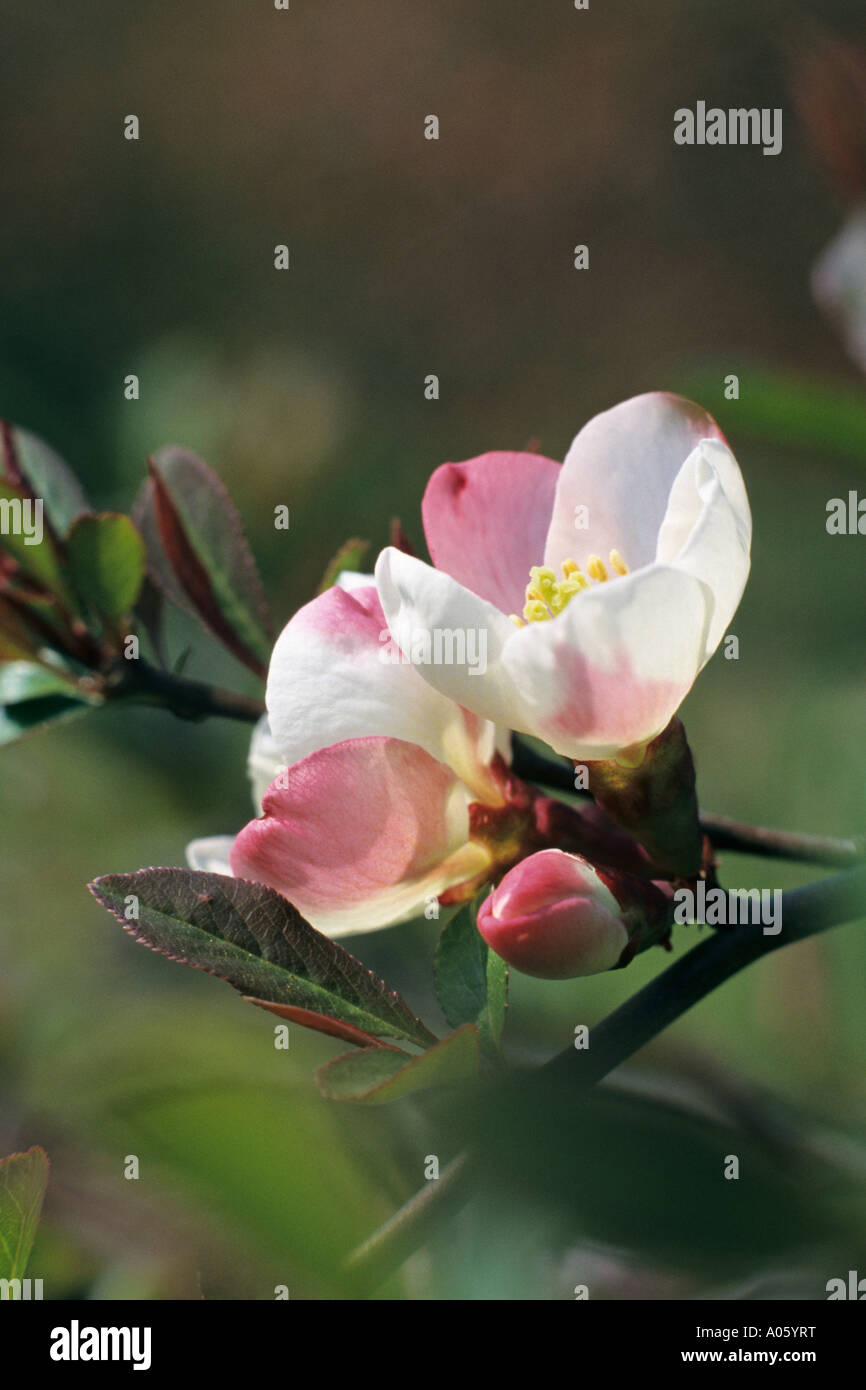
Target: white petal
<point x="353" y="579"/>
<point x="621" y="468"/>
<point x="420" y="603"/>
<point x="335" y="674"/>
<point x="608" y="672"/>
<point x="707" y="531"/>
<point x="613" y="668"/>
<point x="211" y="854"/>
<point x="264" y="762"/>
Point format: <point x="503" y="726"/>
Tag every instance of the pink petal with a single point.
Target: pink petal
<point x="486" y="521"/>
<point x="360" y="835"/>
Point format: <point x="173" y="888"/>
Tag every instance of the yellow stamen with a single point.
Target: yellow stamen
<point x="618" y="562"/>
<point x="546" y="596"/>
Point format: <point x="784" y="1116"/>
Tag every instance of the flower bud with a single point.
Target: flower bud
<point x="552" y="916"/>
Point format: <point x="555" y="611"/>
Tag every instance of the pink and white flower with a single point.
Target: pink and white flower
<point x="602" y="586"/>
<point x="367" y="775"/>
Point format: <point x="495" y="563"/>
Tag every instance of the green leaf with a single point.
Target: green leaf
<point x="350" y="556"/>
<point x="471" y="980"/>
<point x="35" y="553"/>
<point x="202" y="551"/>
<point x="260" y="944"/>
<point x="379" y="1074"/>
<point x="29" y="715"/>
<point x="28" y="460"/>
<point x="491" y="1020"/>
<point x="107" y="558"/>
<point x="23" y="680"/>
<point x="23" y="1179"/>
<point x="32" y="695"/>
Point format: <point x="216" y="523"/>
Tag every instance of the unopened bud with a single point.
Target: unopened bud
<point x="552" y="916"/>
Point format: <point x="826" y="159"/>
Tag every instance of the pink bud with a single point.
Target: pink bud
<point x="552" y="916"/>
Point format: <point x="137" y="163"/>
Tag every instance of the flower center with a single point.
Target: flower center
<point x="546" y="595"/>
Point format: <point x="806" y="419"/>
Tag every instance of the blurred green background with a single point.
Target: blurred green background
<point x="411" y="257"/>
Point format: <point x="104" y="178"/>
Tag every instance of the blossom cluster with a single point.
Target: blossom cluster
<point x="597" y="590"/>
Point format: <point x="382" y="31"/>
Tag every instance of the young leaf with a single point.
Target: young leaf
<point x="34" y="549"/>
<point x="471" y="980"/>
<point x="320" y="1023"/>
<point x="106" y="559"/>
<point x="27" y="460"/>
<point x="203" y="541"/>
<point x="23" y="1179"/>
<point x="254" y="939"/>
<point x="379" y="1074"/>
<point x="350" y="556"/>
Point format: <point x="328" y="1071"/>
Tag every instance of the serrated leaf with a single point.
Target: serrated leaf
<point x="204" y="547"/>
<point x="375" y="1075"/>
<point x="471" y="980"/>
<point x="259" y="943"/>
<point x="23" y="1179"/>
<point x="29" y="461"/>
<point x="106" y="559"/>
<point x="350" y="556"/>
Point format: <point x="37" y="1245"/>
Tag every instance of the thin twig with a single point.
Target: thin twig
<point x="805" y="912"/>
<point x="782" y="844"/>
<point x="833" y="853"/>
<point x="145" y="684"/>
<point x="371" y="1263"/>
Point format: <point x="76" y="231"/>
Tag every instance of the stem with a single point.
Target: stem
<point x="145" y="684"/>
<point x="370" y="1264"/>
<point x="724" y="833"/>
<point x="782" y="844"/>
<point x="805" y="912"/>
